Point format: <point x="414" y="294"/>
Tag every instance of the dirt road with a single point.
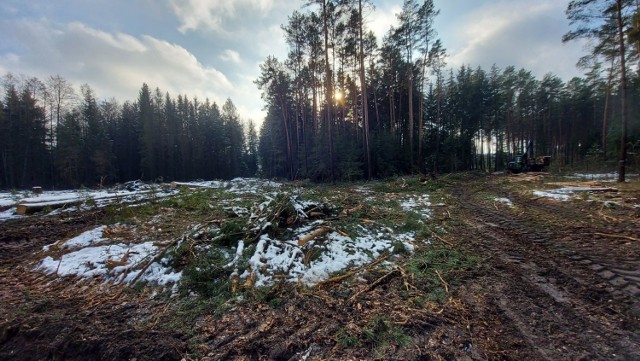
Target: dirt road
<point x="551" y="281"/>
<point x="563" y="277"/>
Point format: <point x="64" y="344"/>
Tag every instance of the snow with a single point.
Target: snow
<point x="7" y="200"/>
<point x="129" y="192"/>
<point x="98" y="198"/>
<point x="55" y="196"/>
<point x="335" y="252"/>
<point x="238" y="254"/>
<point x="556" y="194"/>
<point x="119" y="263"/>
<point x="566" y="193"/>
<point x="157" y="274"/>
<point x="97" y="253"/>
<point x="506" y="201"/>
<point x="87" y="238"/>
<point x="94" y="254"/>
<point x="605" y="177"/>
<point x="236" y="185"/>
<point x="419" y="204"/>
<point x="9" y="214"/>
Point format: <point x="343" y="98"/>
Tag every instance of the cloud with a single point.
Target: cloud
<point x="215" y="15"/>
<point x="249" y="30"/>
<point x="231" y="56"/>
<point x="521" y="33"/>
<point x="381" y="20"/>
<point x="114" y="64"/>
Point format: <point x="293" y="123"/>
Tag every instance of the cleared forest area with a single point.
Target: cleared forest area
<point x="467" y="266"/>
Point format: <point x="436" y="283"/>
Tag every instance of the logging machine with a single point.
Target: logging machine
<point x="525" y="163"/>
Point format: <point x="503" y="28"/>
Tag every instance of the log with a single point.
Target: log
<point x="30" y="208"/>
<point x="175" y="185"/>
<point x="577" y="184"/>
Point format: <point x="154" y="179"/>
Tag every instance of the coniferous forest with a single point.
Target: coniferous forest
<point x="52" y="136"/>
<point x="342" y="106"/>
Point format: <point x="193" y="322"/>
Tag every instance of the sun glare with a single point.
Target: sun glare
<point x="337" y="95"/>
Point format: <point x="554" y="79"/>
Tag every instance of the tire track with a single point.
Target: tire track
<point x="552" y="283"/>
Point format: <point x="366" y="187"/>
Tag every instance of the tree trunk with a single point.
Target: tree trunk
<point x="411" y="162"/>
<point x="329" y="95"/>
<point x="285" y="123"/>
<point x="623" y="96"/>
<point x="605" y="113"/>
<point x="365" y="107"/>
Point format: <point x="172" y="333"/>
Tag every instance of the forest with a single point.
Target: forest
<point x="342" y="106"/>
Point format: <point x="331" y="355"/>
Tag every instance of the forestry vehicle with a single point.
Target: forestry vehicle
<point x="525" y="163"/>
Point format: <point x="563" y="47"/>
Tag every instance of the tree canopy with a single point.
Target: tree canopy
<point x="58" y="137"/>
<point x="341" y="106"/>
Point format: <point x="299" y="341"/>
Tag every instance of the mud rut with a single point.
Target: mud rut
<point x="556" y="281"/>
<point x="556" y="284"/>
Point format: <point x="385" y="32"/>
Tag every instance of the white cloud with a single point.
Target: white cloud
<point x="115" y="64"/>
<point x="381" y="20"/>
<point x="249" y="30"/>
<point x="520" y="32"/>
<point x="231" y="56"/>
<point x="214" y="14"/>
<point x="216" y="45"/>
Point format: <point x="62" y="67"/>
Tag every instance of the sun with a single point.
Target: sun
<point x="337" y="95"/>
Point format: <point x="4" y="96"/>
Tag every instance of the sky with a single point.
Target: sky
<point x="213" y="48"/>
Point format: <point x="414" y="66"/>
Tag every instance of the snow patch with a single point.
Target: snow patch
<point x="506" y="201"/>
<point x="553" y="194"/>
<point x="419" y="204"/>
<point x="120" y="263"/>
<point x="9" y="214"/>
<point x="566" y="193"/>
<point x="86" y="198"/>
<point x="236" y="185"/>
<point x="85" y="239"/>
<point x="333" y="253"/>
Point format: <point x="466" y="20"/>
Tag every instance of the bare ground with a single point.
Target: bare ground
<point x="553" y="281"/>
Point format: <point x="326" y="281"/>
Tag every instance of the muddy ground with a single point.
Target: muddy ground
<point x="542" y="280"/>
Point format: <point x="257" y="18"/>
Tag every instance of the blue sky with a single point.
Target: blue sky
<point x="213" y="48"/>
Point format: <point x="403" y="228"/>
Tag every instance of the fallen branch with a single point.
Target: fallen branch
<point x="442" y="239"/>
<point x="159" y="256"/>
<point x="407" y="285"/>
<point x="317" y="233"/>
<point x="617" y="236"/>
<point x="374" y="284"/>
<point x="446" y="285"/>
<point x="351" y="273"/>
<point x="607" y="218"/>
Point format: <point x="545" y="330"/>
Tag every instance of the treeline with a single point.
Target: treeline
<point x="52" y="136"/>
<point x="340" y="107"/>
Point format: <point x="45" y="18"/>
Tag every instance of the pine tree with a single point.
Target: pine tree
<point x="147" y="140"/>
<point x="584" y="14"/>
<point x="251" y="152"/>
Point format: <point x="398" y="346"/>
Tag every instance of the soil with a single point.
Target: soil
<point x="554" y="281"/>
